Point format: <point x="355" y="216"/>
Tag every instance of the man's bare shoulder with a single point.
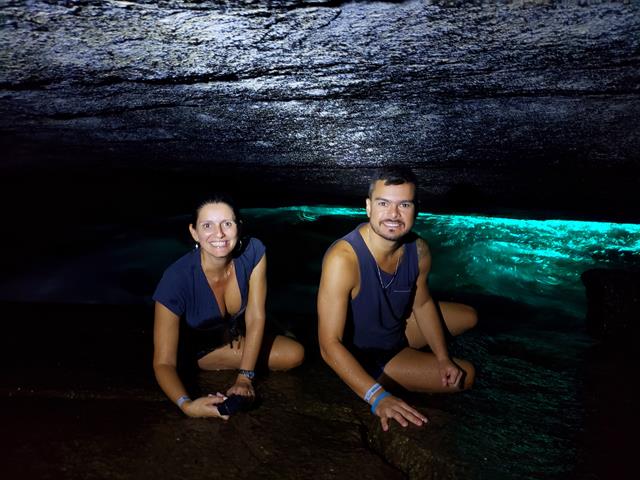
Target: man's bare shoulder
<point x="340" y="255"/>
<point x="424" y="254"/>
<point x="339" y="271"/>
<point x="422" y="246"/>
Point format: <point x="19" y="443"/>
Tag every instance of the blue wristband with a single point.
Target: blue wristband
<point x="372" y="391"/>
<point x="377" y="400"/>
<point x="182" y="399"/>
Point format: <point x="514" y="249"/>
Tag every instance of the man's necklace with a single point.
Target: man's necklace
<point x="384" y="287"/>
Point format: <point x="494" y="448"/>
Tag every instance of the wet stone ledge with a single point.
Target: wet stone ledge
<point x="126" y="428"/>
<point x="74" y="409"/>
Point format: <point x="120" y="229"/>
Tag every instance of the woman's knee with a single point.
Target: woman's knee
<point x="295" y="354"/>
<point x="285" y="354"/>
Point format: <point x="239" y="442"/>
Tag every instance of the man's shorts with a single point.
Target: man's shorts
<point x="373" y="360"/>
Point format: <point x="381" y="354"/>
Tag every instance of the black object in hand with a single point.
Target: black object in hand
<point x="233" y="404"/>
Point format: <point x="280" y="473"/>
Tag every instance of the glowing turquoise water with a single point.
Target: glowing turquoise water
<point x="537" y="262"/>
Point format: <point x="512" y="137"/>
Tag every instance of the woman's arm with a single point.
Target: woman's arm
<point x="255" y="317"/>
<point x="165" y="354"/>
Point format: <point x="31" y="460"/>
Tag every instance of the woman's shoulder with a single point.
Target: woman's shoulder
<point x="255" y="243"/>
<point x="254" y="250"/>
<point x="182" y="265"/>
<point x="175" y="283"/>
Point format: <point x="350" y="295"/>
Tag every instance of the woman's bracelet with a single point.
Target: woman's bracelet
<point x="377" y="401"/>
<point x="182" y="399"/>
<point x="371" y="392"/>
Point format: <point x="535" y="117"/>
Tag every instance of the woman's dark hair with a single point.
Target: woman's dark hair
<point x="219" y="198"/>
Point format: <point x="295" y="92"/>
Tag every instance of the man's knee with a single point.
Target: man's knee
<point x="472" y="318"/>
<point x="469" y="376"/>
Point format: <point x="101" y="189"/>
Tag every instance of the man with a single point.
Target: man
<point x="375" y="311"/>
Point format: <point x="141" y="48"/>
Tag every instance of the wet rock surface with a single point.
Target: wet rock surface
<point x="528" y="105"/>
<point x="79" y="400"/>
<point x="92" y="410"/>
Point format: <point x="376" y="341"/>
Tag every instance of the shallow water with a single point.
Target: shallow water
<point x="527" y="416"/>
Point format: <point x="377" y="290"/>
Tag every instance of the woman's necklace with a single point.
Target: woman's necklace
<point x="384" y="287"/>
<point x="227" y="272"/>
<point x="224" y="276"/>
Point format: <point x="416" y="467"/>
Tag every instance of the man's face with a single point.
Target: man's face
<point x="391" y="210"/>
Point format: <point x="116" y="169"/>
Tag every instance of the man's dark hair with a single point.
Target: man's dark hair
<point x="393" y="175"/>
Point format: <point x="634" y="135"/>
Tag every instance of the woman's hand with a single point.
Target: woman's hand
<point x="205" y="406"/>
<point x="243" y="386"/>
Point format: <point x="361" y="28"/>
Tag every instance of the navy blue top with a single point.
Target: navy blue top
<point x="185" y="291"/>
<point x="379" y="314"/>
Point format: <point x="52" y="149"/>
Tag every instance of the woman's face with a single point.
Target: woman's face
<point x="216" y="230"/>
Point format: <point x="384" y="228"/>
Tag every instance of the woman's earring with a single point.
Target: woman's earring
<point x="197" y="245"/>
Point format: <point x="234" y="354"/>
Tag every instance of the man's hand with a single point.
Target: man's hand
<point x="393" y="407"/>
<point x="205" y="406"/>
<point x="450" y="373"/>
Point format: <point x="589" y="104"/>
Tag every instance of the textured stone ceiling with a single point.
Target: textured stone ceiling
<point x="507" y="100"/>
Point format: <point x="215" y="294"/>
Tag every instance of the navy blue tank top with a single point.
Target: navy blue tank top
<point x="185" y="291"/>
<point x="380" y="310"/>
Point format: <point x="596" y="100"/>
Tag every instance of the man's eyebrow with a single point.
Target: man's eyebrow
<point x="387" y="200"/>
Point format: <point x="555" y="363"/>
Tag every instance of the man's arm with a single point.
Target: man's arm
<point x="339" y="277"/>
<point x="428" y="320"/>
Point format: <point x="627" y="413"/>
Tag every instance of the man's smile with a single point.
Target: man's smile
<point x="392" y="223"/>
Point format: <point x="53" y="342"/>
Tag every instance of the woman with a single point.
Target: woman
<point x="202" y="299"/>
